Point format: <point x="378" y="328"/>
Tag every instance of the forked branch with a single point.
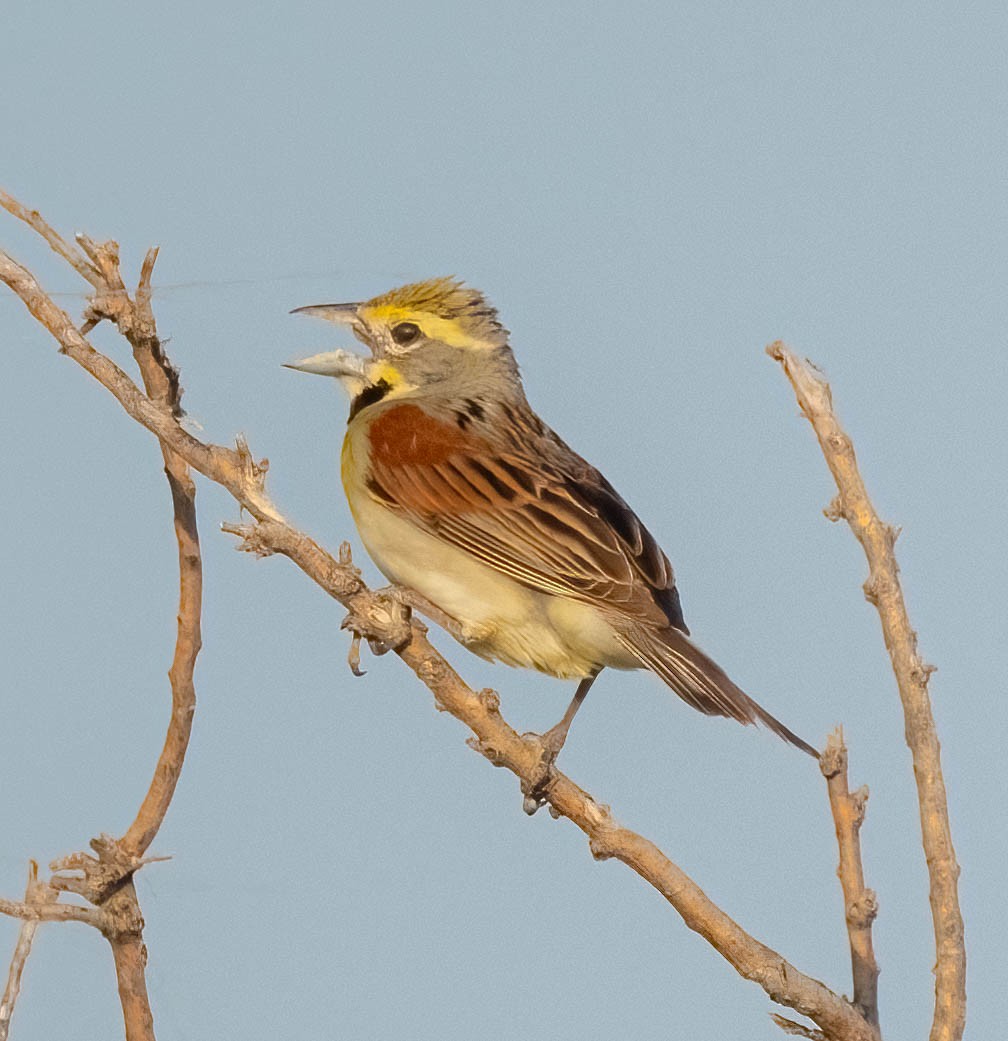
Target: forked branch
<point x="912" y="674"/>
<point x="860" y="905"/>
<point x="106" y="879"/>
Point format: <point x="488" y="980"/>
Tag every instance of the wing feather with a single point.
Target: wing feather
<point x="554" y="523"/>
<point x="537" y="512"/>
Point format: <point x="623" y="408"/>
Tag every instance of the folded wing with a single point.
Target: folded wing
<point x="552" y="522"/>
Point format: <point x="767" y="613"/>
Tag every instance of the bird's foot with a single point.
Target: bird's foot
<point x="554" y="739"/>
<point x="381" y="617"/>
<point x="393" y="613"/>
<point x="535" y="791"/>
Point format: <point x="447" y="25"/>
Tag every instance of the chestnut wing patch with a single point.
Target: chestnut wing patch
<point x="559" y="528"/>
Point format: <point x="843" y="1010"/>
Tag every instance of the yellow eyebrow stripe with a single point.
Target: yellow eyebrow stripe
<point x="447" y="330"/>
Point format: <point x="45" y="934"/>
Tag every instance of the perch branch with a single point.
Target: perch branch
<point x="381" y="621"/>
<point x="860" y="905"/>
<point x="912" y="674"/>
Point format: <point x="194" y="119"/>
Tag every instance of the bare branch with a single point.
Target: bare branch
<point x="161" y="382"/>
<point x="30" y="911"/>
<point x="912" y="674"/>
<point x="56" y="242"/>
<point x="372" y="618"/>
<point x="135" y="320"/>
<point x="107" y="879"/>
<point x="860" y="905"/>
<point x="130" y="955"/>
<point x="36" y="892"/>
<point x="234" y="470"/>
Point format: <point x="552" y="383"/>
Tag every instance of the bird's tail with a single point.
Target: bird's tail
<point x="700" y="681"/>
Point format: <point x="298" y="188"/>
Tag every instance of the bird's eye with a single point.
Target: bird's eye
<point x="405" y="333"/>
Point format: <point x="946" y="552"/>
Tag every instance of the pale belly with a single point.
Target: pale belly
<point x="501" y="619"/>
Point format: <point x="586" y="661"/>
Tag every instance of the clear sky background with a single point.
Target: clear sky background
<point x="650" y="193"/>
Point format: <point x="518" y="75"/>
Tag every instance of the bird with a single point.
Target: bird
<point x="488" y="522"/>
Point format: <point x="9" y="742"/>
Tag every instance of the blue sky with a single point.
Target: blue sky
<point x="650" y="195"/>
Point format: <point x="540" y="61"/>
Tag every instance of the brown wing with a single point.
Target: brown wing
<point x="550" y="521"/>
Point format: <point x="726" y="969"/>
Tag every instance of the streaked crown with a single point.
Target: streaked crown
<point x="444" y="308"/>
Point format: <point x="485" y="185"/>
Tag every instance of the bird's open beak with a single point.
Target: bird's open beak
<point x="340" y="364"/>
<point x="341" y="314"/>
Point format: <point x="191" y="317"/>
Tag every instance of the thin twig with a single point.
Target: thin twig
<point x="912" y="674"/>
<point x="29" y="911"/>
<point x="860" y="904"/>
<point x="36" y="892"/>
<point x="56" y="242"/>
<point x="797" y="1029"/>
<point x="162" y="385"/>
<point x="235" y="471"/>
<point x="135" y="320"/>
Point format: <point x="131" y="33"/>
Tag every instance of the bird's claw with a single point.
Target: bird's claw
<point x="353" y="656"/>
<point x="535" y="791"/>
<point x="383" y="619"/>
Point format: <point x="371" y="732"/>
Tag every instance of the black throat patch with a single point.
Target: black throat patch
<point x="368" y="396"/>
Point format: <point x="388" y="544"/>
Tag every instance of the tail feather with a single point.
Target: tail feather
<point x="700" y="681"/>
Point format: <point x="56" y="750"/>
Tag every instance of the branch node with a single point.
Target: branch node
<point x="871" y="590"/>
<point x="72" y="862"/>
<point x="92" y="321"/>
<point x="922" y="672"/>
<point x="487" y="751"/>
<point x="789" y="1026"/>
<point x="71" y="884"/>
<point x="427" y="671"/>
<point x="599" y="847"/>
<point x="101" y="876"/>
<point x="490" y="700"/>
<point x="252" y="539"/>
<point x="143" y="290"/>
<point x="833" y="759"/>
<point x="835" y="510"/>
<point x="859" y="800"/>
<point x="253" y="472"/>
<point x="864" y="910"/>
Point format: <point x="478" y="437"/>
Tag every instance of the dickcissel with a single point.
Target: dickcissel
<point x="493" y="526"/>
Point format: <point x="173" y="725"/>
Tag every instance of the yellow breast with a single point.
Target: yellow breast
<point x="500" y="618"/>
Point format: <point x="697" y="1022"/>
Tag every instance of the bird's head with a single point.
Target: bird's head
<point x="434" y="338"/>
